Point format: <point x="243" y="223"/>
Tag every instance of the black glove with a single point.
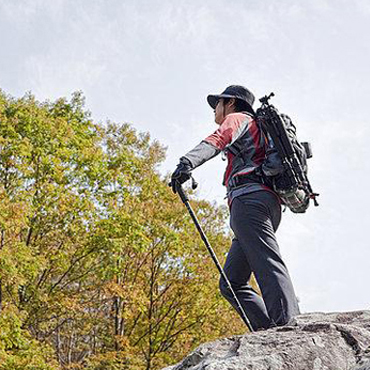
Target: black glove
<point x="181" y="174"/>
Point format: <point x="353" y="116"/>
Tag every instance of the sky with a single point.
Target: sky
<point x="152" y="63"/>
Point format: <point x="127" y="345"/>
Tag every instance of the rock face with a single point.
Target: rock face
<point x="316" y="341"/>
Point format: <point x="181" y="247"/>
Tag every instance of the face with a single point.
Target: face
<point x="219" y="111"/>
<point x="222" y="110"/>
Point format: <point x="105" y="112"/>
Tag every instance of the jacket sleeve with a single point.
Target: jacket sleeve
<point x="201" y="153"/>
<point x="230" y="129"/>
<point x="233" y="126"/>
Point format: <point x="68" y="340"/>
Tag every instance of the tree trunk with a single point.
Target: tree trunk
<point x="1" y="295"/>
<point x="1" y="282"/>
<point x="116" y="322"/>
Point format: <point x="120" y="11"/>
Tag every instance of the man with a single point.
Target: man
<point x="255" y="210"/>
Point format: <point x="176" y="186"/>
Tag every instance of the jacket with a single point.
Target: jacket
<point x="242" y="141"/>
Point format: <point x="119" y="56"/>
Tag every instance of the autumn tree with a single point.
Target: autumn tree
<point x="99" y="262"/>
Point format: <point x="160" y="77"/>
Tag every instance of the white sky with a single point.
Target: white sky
<point x="152" y="63"/>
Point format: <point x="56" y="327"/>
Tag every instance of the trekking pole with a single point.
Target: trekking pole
<point x="185" y="200"/>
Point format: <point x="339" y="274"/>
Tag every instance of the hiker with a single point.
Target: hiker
<point x="255" y="210"/>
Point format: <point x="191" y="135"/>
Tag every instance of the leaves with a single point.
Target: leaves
<point x="98" y="259"/>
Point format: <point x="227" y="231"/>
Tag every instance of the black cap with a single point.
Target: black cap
<point x="233" y="91"/>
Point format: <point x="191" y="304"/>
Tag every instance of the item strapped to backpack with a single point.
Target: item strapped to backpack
<point x="285" y="166"/>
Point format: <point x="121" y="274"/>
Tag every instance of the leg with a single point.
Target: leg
<point x="238" y="272"/>
<point x="254" y="220"/>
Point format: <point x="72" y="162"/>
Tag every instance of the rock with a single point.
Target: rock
<point x="314" y="341"/>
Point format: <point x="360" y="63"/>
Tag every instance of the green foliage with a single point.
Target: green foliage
<point x="18" y="350"/>
<point x="98" y="259"/>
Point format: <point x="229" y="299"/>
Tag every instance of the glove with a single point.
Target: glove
<point x="181" y="174"/>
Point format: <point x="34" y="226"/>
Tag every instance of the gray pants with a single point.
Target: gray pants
<point x="254" y="219"/>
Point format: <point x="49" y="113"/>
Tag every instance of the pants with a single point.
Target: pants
<point x="254" y="219"/>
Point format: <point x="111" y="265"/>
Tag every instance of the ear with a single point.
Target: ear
<point x="231" y="102"/>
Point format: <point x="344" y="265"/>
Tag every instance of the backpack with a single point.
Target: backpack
<point x="285" y="166"/>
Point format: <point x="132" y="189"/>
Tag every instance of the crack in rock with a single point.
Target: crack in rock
<point x="192" y="360"/>
<point x="351" y="341"/>
<point x="235" y="347"/>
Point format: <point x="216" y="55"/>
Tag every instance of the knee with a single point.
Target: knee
<point x="224" y="289"/>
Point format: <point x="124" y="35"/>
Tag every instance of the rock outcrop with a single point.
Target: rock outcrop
<point x="315" y="341"/>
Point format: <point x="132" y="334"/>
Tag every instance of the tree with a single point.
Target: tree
<point x="99" y="260"/>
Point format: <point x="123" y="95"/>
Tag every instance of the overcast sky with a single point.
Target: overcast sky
<point x="152" y="63"/>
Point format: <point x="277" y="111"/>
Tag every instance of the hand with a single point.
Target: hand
<point x="181" y="174"/>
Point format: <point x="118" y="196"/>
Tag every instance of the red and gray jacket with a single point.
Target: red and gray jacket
<point x="244" y="144"/>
